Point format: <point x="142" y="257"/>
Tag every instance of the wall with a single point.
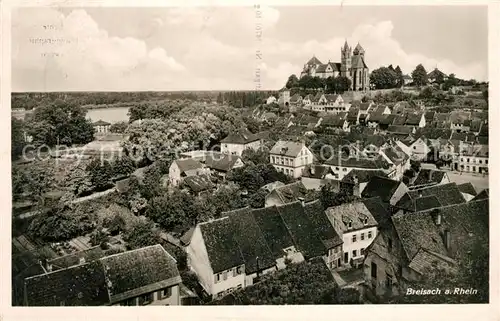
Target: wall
<point x="400" y="191"/>
<point x="349" y="246"/>
<point x="331" y="259"/>
<point x="174" y="174"/>
<point x="198" y="261"/>
<point x="233" y="281"/>
<point x="273" y="199"/>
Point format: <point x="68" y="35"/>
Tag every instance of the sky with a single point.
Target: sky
<point x="215" y="48"/>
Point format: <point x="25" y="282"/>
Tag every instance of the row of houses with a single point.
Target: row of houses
<point x="233" y="252"/>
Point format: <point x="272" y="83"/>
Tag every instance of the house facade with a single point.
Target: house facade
<point x="181" y="168"/>
<point x="474" y="159"/>
<point x="101" y="127"/>
<point x="358" y="229"/>
<point x="290" y="157"/>
<point x="235" y="143"/>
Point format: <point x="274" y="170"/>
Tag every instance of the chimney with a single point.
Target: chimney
<point x="447" y="239"/>
<point x="302" y="200"/>
<point x="420" y="194"/>
<point x="438" y="217"/>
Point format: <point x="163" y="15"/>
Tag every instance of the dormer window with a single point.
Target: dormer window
<point x="349" y="225"/>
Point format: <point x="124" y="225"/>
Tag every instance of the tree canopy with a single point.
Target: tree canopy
<point x="419" y="76"/>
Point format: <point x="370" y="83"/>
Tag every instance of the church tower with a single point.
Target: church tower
<point x="345" y="63"/>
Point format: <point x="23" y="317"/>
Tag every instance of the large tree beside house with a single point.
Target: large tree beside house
<point x="419" y="76"/>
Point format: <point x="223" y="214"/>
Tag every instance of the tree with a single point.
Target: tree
<point x="123" y="166"/>
<point x="419" y="76"/>
<point x="78" y="180"/>
<point x="329" y="197"/>
<point x="118" y="127"/>
<point x="174" y="211"/>
<point x="259" y="156"/>
<point x="60" y="122"/>
<point x="292" y="82"/>
<point x="485" y="95"/>
<point x="342" y="84"/>
<point x="306" y="82"/>
<point x="257" y="199"/>
<point x="17" y="138"/>
<point x="142" y="234"/>
<point x="384" y="78"/>
<point x="100" y="173"/>
<point x="399" y="77"/>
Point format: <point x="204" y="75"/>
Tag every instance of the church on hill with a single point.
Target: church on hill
<point x="352" y="66"/>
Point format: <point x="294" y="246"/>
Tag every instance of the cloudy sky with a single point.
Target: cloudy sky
<point x="124" y="49"/>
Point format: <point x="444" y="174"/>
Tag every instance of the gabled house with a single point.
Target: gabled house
<point x="296" y="100"/>
<point x="353" y="116"/>
<point x="342" y="166"/>
<point x="290" y="157"/>
<point x="335" y="122"/>
<point x="221" y="165"/>
<point x="235" y="143"/>
<point x="233" y="252"/>
<point x="429" y="197"/>
<point x="365" y="107"/>
<point x="145" y="276"/>
<point x="418" y="149"/>
<point x="399" y="160"/>
<point x="198" y="184"/>
<point x="416" y="119"/>
<point x="101" y="126"/>
<point x="421" y="243"/>
<point x="271" y="100"/>
<point x="181" y="168"/>
<point x="357" y="227"/>
<point x="468" y="191"/>
<point x="360" y="178"/>
<point x="428" y="177"/>
<point x="307" y="101"/>
<point x="289" y="193"/>
<point x="474" y="159"/>
<point x="316" y="176"/>
<point x="390" y="191"/>
<point x="460" y="121"/>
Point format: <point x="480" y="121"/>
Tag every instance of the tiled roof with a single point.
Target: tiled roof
<point x="353" y="113"/>
<point x="355" y="213"/>
<point x="314" y="61"/>
<point x="467" y="188"/>
<point x="399" y="120"/>
<point x="358" y="62"/>
<point x="81" y="285"/>
<point x="382" y="187"/>
<point x="242" y="136"/>
<point x="426" y="261"/>
<point x="101" y="123"/>
<point x="188" y="164"/>
<point x="483" y="195"/>
<point x="316" y="171"/>
<point x="293" y="192"/>
<point x="364" y="106"/>
<point x="466" y="222"/>
<point x="198" y="183"/>
<point x="323" y="228"/>
<point x="395" y="154"/>
<point x="447" y="194"/>
<point x="140" y="271"/>
<point x="429" y="116"/>
<point x="223" y="251"/>
<point x="66" y="261"/>
<point x="459" y="117"/>
<point x="302" y="230"/>
<point x="273" y="229"/>
<point x="333" y="121"/>
<point x="429" y="176"/>
<point x="287" y="148"/>
<point x="418" y="204"/>
<point x="379" y="210"/>
<point x="363" y="176"/>
<point x="295" y="98"/>
<point x="436" y="73"/>
<point x="222" y="164"/>
<point x="252" y="244"/>
<point x="413" y="119"/>
<point x="365" y="163"/>
<point x="400" y="129"/>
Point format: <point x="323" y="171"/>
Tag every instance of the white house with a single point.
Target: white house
<point x="307" y="101"/>
<point x="358" y="229"/>
<point x="271" y="100"/>
<point x="290" y="157"/>
<point x="234" y="251"/>
<point x="342" y="166"/>
<point x="235" y="143"/>
<point x="418" y="149"/>
<point x="474" y="159"/>
<point x="181" y="168"/>
<point x="101" y="126"/>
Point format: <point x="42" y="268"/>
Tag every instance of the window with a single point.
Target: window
<point x="217" y="278"/>
<point x="389" y="244"/>
<point x="336" y="250"/>
<point x="461" y="159"/>
<point x="239" y="269"/>
<point x="486" y="161"/>
<point x="128" y="303"/>
<point x="272" y="159"/>
<point x="224" y="275"/>
<point x="282" y="161"/>
<point x="374" y="270"/>
<point x="370" y="234"/>
<point x="362" y="252"/>
<point x="468" y="160"/>
<point x="350" y="225"/>
<point x="480" y="161"/>
<point x="354" y="238"/>
<point x="473" y="168"/>
<point x="146" y="299"/>
<point x="354" y="253"/>
<point x="414" y="147"/>
<point x="165" y="293"/>
<point x="362" y="236"/>
<point x="344" y="169"/>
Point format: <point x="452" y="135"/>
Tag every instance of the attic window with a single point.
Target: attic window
<point x="349" y="225"/>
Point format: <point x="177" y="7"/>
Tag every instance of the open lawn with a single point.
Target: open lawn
<point x="478" y="181"/>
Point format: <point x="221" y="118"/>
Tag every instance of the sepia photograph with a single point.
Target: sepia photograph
<point x="249" y="155"/>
